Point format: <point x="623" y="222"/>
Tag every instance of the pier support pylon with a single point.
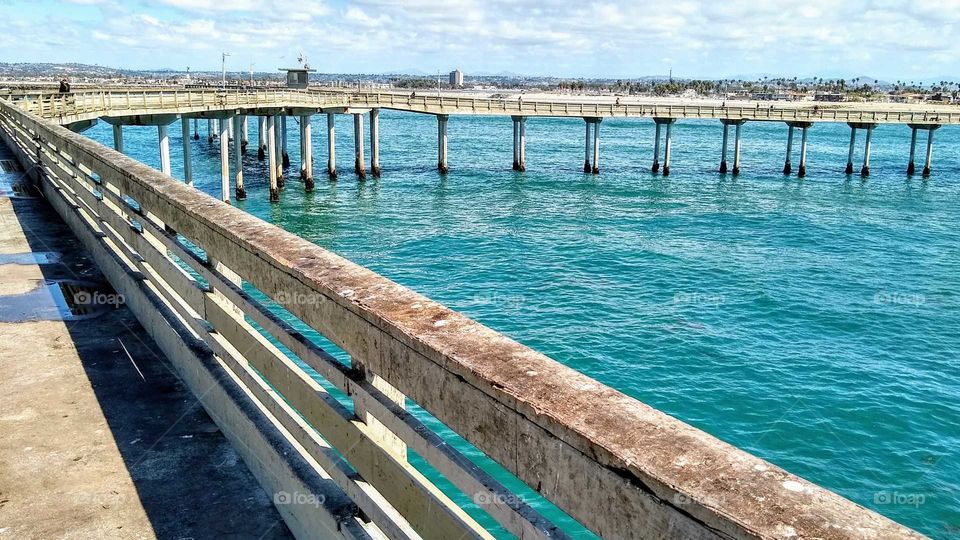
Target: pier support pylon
<point x="359" y="165"/>
<point x="272" y="158"/>
<point x="736" y="148"/>
<point x="787" y="166"/>
<point x="442" y="165"/>
<point x="587" y="146"/>
<point x="331" y="147"/>
<point x="911" y="168"/>
<point x="239" y="190"/>
<point x="853" y="142"/>
<point x="187" y="164"/>
<point x="283" y="141"/>
<point x="929" y="161"/>
<point x="375" y="142"/>
<point x="278" y="138"/>
<point x="262" y="138"/>
<point x="245" y="141"/>
<point x="802" y="169"/>
<point x="516" y="142"/>
<point x="656" y="148"/>
<point x="118" y="138"/>
<point x="196" y="129"/>
<point x="306" y="153"/>
<point x="163" y="135"/>
<point x="865" y="170"/>
<point x="224" y="125"/>
<point x="723" y="148"/>
<point x="596" y="144"/>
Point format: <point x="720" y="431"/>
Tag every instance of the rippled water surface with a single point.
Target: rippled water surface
<point x="812" y="322"/>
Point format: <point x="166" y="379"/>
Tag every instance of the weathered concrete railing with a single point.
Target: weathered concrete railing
<point x="619" y="467"/>
<point x="90" y="104"/>
<point x="807" y="113"/>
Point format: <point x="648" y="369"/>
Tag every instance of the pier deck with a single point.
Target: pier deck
<point x="89" y="447"/>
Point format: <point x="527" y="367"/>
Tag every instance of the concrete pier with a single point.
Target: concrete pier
<point x="196" y="129"/>
<point x="225" y="159"/>
<point x="272" y="158"/>
<point x="209" y="130"/>
<point x="358" y="162"/>
<point x="442" y="165"/>
<point x="587" y="146"/>
<point x="723" y="150"/>
<point x="99" y="437"/>
<point x="262" y="138"/>
<point x="163" y="134"/>
<point x="853" y="142"/>
<point x="245" y="140"/>
<point x="283" y="140"/>
<point x="118" y="138"/>
<point x="331" y="146"/>
<point x="375" y="142"/>
<point x="596" y="145"/>
<point x="787" y="166"/>
<point x="802" y="169"/>
<point x="656" y="148"/>
<point x="238" y="123"/>
<point x="187" y="162"/>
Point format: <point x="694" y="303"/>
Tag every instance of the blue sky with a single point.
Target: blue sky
<point x="888" y="39"/>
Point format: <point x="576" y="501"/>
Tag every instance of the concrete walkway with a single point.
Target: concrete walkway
<point x="98" y="437"/>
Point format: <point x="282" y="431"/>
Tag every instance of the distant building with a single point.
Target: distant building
<point x="456" y="78"/>
<point x="298" y="77"/>
<point x="829" y="96"/>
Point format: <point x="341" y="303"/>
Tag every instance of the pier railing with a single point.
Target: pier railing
<point x="619" y="467"/>
<point x="89" y="104"/>
<point x="517" y="106"/>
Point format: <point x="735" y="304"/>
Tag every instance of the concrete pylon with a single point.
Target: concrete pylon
<point x="272" y="158"/>
<point x="262" y="138"/>
<point x="442" y="165"/>
<point x="283" y="141"/>
<point x="358" y="163"/>
<point x="331" y="147"/>
<point x="375" y="142"/>
<point x="187" y="163"/>
<point x="163" y="134"/>
<point x="238" y="123"/>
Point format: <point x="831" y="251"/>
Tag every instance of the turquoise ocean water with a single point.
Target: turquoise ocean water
<point x="814" y="322"/>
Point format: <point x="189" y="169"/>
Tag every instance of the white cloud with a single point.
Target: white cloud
<point x="567" y="37"/>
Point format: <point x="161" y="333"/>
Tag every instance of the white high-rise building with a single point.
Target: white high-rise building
<point x="456" y="78"/>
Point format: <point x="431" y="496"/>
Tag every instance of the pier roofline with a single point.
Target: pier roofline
<point x="616" y="465"/>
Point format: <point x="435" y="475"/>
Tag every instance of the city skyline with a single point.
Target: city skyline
<point x="886" y="40"/>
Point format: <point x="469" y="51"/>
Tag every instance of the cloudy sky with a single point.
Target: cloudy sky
<point x="888" y="39"/>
